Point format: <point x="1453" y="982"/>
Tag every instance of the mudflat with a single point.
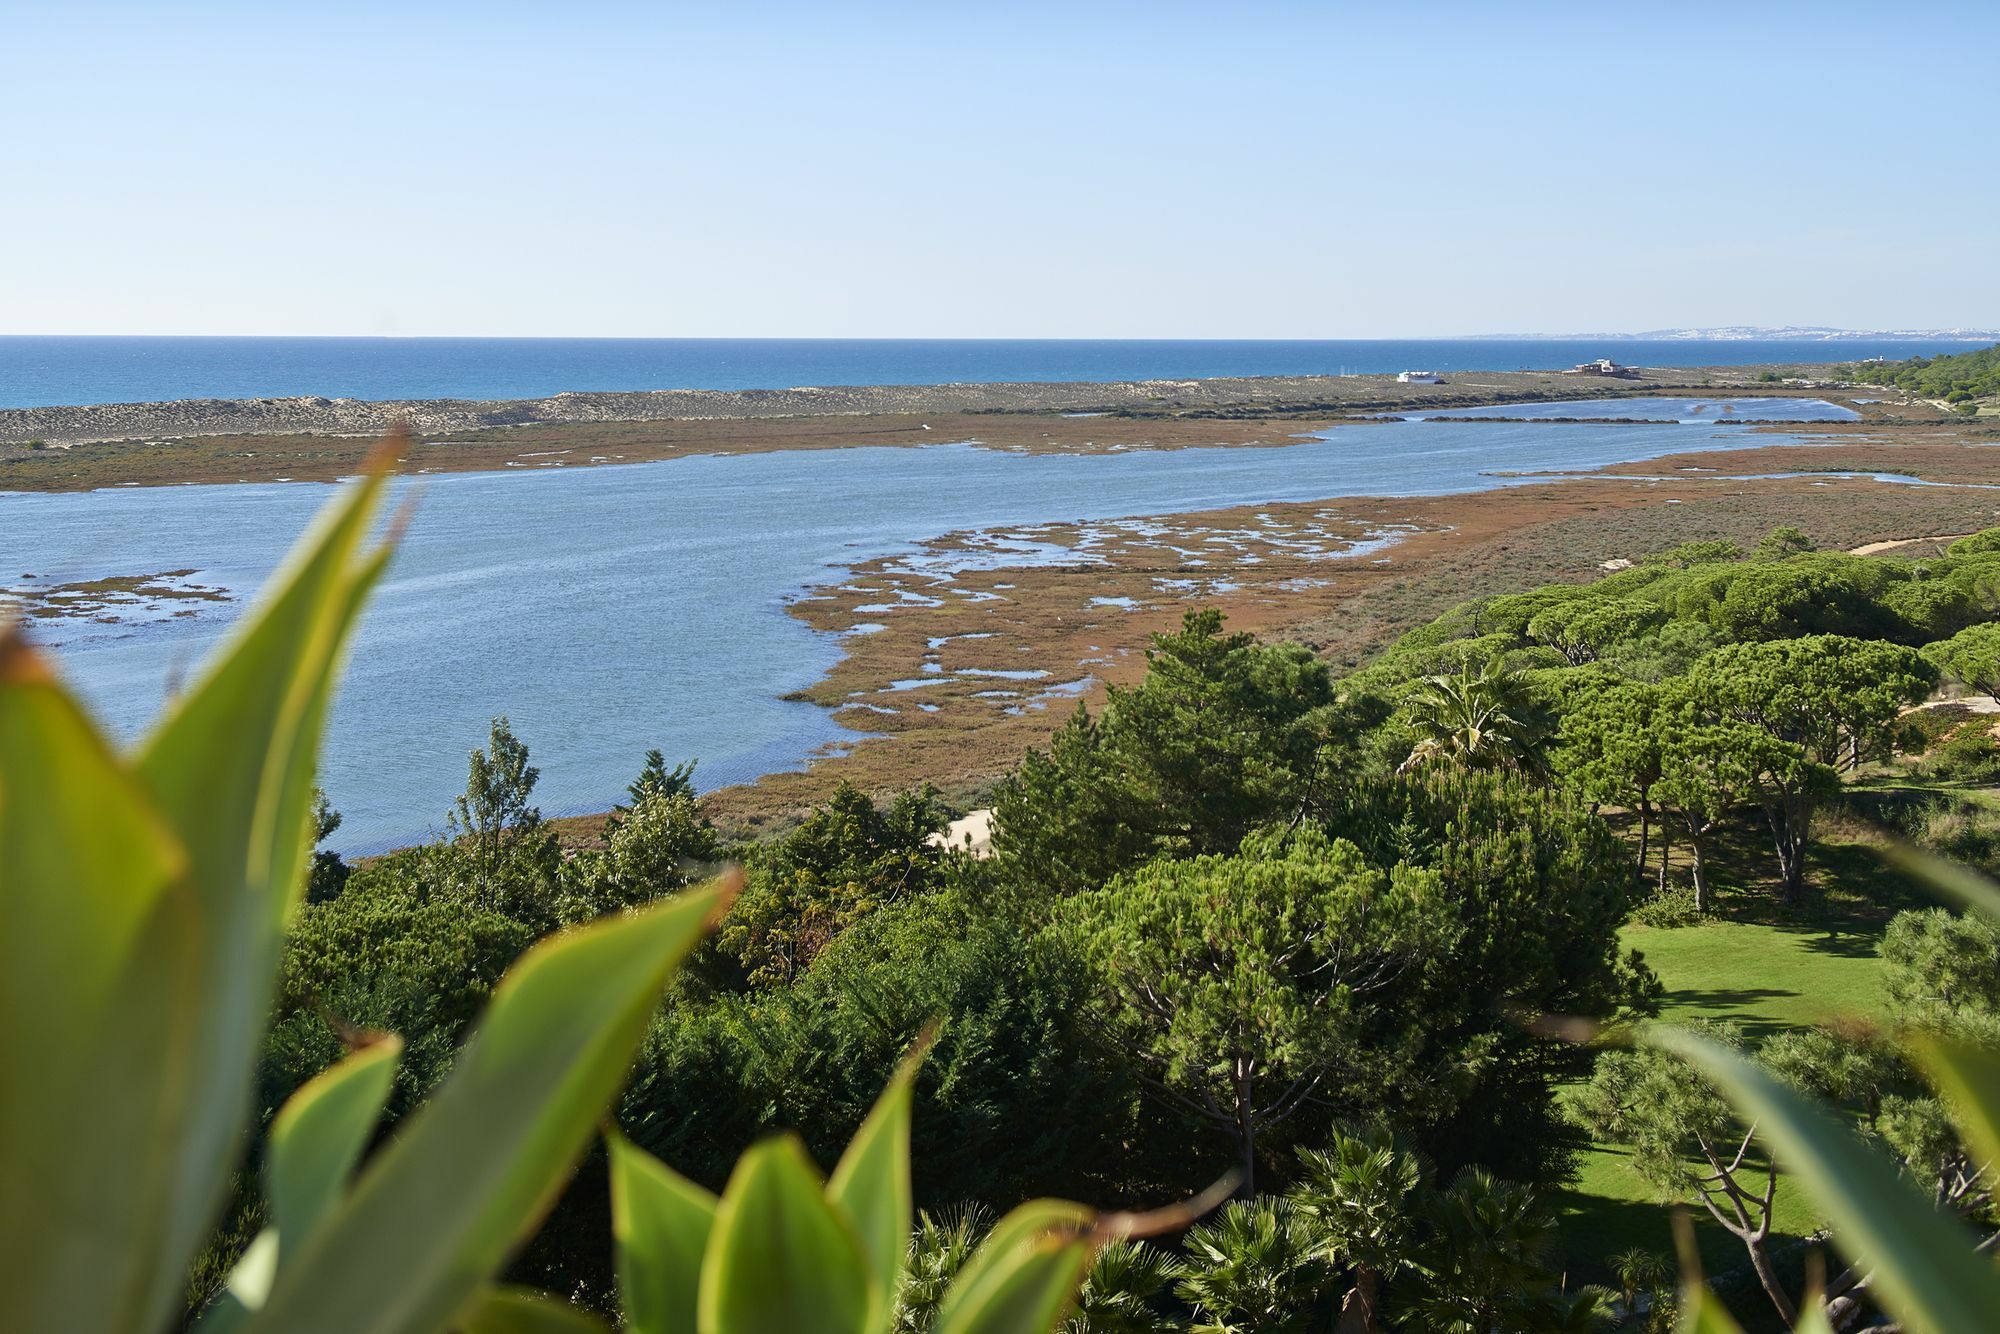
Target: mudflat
<point x="953" y="694"/>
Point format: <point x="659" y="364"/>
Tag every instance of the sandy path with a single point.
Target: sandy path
<point x="1877" y="548"/>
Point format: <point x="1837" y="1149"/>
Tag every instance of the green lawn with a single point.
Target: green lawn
<point x="1765" y="976"/>
<point x="1607" y="1209"/>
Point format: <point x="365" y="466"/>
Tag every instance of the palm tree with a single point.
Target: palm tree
<point x="1118" y="1293"/>
<point x="939" y="1248"/>
<point x="1640" y="1272"/>
<point x="1362" y="1196"/>
<point x="1478" y="719"/>
<point x="1486" y="1264"/>
<point x="1252" y="1267"/>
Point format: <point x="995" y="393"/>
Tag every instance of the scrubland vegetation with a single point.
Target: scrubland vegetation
<point x="1329" y="945"/>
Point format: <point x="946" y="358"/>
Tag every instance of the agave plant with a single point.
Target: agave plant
<point x="143" y="898"/>
<point x="784" y="1249"/>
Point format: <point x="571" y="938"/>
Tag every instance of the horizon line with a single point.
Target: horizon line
<point x="1686" y="333"/>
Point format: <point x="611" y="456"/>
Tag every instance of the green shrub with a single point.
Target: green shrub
<point x="1675" y="905"/>
<point x="1921" y="729"/>
<point x="1967" y="754"/>
<point x="1961" y="830"/>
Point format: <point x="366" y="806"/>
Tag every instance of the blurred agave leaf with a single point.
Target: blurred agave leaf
<point x="101" y="959"/>
<point x="249" y="1284"/>
<point x="1926" y="1270"/>
<point x="1029" y="1291"/>
<point x="661" y="1222"/>
<point x="1702" y="1312"/>
<point x="781" y="1258"/>
<point x="1949" y="879"/>
<point x="317" y="1137"/>
<point x="1968" y="1075"/>
<point x="871" y="1186"/>
<point x="1024" y="1276"/>
<point x="435" y="1213"/>
<point x="1812" y="1315"/>
<point x="519" y="1311"/>
<point x="230" y="768"/>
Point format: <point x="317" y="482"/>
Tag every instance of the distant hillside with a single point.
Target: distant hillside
<point x="1955" y="379"/>
<point x="1747" y="333"/>
<point x="1792" y="331"/>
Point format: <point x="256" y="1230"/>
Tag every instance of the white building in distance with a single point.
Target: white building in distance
<point x="1419" y="377"/>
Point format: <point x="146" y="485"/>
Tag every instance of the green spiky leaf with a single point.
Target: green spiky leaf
<point x="1702" y="1312"/>
<point x="1968" y="1075"/>
<point x="661" y="1223"/>
<point x="230" y="768"/>
<point x="1949" y="879"/>
<point x="317" y="1137"/>
<point x="781" y="1257"/>
<point x="1024" y="1276"/>
<point x="101" y="957"/>
<point x="872" y="1186"/>
<point x="434" y="1214"/>
<point x="520" y="1311"/>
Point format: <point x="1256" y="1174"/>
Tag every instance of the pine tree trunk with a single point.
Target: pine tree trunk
<point x="1792" y="869"/>
<point x="1760" y="1260"/>
<point x="1791" y="828"/>
<point x="1700" y="873"/>
<point x="1246" y="1138"/>
<point x="1645" y="830"/>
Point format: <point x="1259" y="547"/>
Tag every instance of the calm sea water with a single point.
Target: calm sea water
<point x="612" y="609"/>
<point x="45" y="371"/>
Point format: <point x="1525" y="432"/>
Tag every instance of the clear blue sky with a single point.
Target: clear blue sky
<point x="1010" y="170"/>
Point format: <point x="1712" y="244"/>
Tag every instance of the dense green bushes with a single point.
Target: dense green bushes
<point x="1014" y="1100"/>
<point x="1223" y="734"/>
<point x="1704" y="682"/>
<point x="1673" y="608"/>
<point x="1957" y="378"/>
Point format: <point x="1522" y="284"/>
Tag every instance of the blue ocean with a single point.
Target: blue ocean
<point x="38" y="371"/>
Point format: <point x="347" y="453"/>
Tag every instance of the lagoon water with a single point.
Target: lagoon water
<point x="612" y="609"/>
<point x="1685" y="411"/>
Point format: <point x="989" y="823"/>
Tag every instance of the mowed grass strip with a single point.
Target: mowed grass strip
<point x="1764" y="978"/>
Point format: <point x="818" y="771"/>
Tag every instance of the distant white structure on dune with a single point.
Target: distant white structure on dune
<point x="1602" y="366"/>
<point x="1419" y="377"/>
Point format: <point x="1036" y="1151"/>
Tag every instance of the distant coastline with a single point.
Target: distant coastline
<point x="76" y="371"/>
<point x="311" y="415"/>
<point x="320" y="439"/>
